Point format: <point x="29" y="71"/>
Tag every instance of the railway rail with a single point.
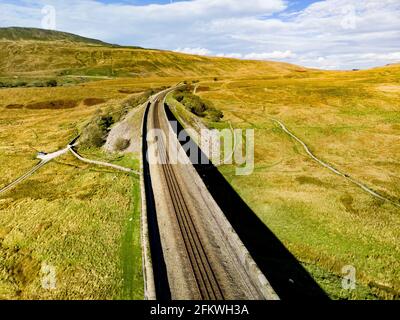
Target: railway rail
<point x="206" y="280"/>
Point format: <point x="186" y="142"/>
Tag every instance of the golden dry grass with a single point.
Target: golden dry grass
<point x="61" y="58"/>
<point x="83" y="220"/>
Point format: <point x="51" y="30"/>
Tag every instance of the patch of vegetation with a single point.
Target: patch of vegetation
<point x="95" y="132"/>
<point x="93" y="101"/>
<point x="56" y="104"/>
<point x="311" y="181"/>
<point x="196" y="105"/>
<point x="14" y="106"/>
<point x="122" y="144"/>
<point x="134" y="102"/>
<point x="131" y="90"/>
<point x="13" y="84"/>
<point x="28" y="82"/>
<point x="131" y="253"/>
<point x="51" y="83"/>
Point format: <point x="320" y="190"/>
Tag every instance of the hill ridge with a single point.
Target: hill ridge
<point x="31" y="52"/>
<point x="37" y="34"/>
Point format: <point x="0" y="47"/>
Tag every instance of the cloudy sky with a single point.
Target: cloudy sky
<point x="329" y="34"/>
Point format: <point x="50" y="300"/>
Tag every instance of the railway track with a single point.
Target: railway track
<point x="206" y="280"/>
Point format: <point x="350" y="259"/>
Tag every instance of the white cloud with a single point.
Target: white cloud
<point x="382" y="56"/>
<point x="198" y="51"/>
<point x="344" y="33"/>
<point x="275" y="55"/>
<point x="213" y="8"/>
<point x="230" y="55"/>
<point x="280" y="55"/>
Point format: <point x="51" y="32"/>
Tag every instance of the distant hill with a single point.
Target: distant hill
<point x="37" y="52"/>
<point x="18" y="33"/>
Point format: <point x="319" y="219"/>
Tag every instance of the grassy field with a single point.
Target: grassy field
<point x="350" y="120"/>
<point x="80" y="219"/>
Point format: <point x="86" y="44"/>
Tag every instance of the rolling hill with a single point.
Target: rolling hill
<point x="36" y="52"/>
<point x="18" y="33"/>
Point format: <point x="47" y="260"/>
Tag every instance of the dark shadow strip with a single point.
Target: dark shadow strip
<point x="163" y="291"/>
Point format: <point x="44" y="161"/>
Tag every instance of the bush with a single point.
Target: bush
<point x="95" y="133"/>
<point x="130" y="103"/>
<point x="122" y="144"/>
<point x="92" y="136"/>
<point x="38" y="84"/>
<point x="192" y="102"/>
<point x="215" y="115"/>
<point x="21" y="84"/>
<point x="197" y="106"/>
<point x="51" y="83"/>
<point x="13" y="84"/>
<point x="179" y="96"/>
<point x="105" y="122"/>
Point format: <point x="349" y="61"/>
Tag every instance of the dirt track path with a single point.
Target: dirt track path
<point x="51" y="156"/>
<point x="101" y="163"/>
<point x="23" y="177"/>
<point x="44" y="160"/>
<point x="329" y="167"/>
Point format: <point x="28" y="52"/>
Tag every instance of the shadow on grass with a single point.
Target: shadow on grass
<point x="285" y="273"/>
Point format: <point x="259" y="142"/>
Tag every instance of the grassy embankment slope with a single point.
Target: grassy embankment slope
<point x="350" y="120"/>
<point x="83" y="220"/>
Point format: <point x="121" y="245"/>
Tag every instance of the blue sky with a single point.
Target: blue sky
<point x="295" y="5"/>
<point x="328" y="34"/>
